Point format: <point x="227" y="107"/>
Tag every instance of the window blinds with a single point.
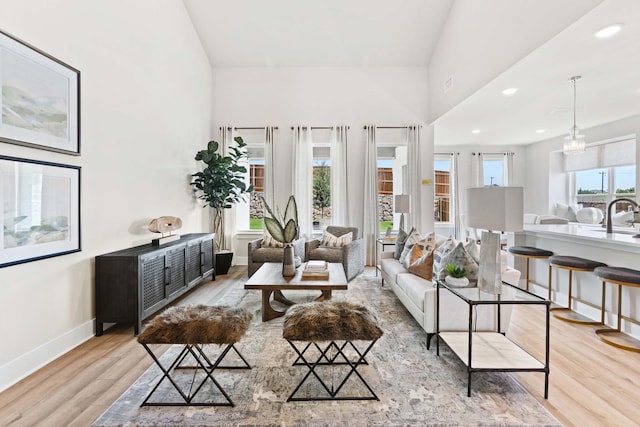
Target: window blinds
<point x="619" y="153"/>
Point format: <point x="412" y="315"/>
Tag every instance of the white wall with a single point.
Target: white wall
<point x="475" y="51"/>
<point x="286" y="97"/>
<point x="145" y="111"/>
<point x="545" y="183"/>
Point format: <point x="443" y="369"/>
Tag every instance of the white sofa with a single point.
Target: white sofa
<point x="419" y="297"/>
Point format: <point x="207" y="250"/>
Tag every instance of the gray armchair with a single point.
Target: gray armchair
<point x="258" y="255"/>
<point x="351" y="255"/>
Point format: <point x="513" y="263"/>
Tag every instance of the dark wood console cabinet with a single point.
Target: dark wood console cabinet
<point x="134" y="283"/>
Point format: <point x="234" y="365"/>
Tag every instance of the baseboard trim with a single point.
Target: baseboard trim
<point x="26" y="364"/>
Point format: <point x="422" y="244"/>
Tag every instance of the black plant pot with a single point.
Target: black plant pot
<point x="223" y="262"/>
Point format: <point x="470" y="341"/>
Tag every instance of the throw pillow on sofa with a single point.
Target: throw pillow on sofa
<point x="620" y="219"/>
<point x="459" y="257"/>
<point x="331" y="241"/>
<point x="270" y="242"/>
<point x="423" y="266"/>
<point x="411" y="253"/>
<point x="448" y="245"/>
<point x="473" y="249"/>
<point x="404" y="256"/>
<point x="401" y="238"/>
<point x="590" y="215"/>
<point x="414" y="237"/>
<point x="442" y="249"/>
<point x="429" y="242"/>
<point x="415" y="240"/>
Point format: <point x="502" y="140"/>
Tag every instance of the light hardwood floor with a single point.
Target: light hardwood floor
<point x="591" y="383"/>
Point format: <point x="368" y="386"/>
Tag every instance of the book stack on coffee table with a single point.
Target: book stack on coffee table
<point x="315" y="270"/>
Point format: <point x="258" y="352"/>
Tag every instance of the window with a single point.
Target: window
<point x="249" y="214"/>
<point x="493" y="169"/>
<point x="603" y="173"/>
<point x="443" y="206"/>
<point x="321" y="186"/>
<point x="392" y="171"/>
<point x="592" y="186"/>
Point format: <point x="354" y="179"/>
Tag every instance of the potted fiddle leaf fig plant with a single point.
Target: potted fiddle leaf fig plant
<point x="456" y="276"/>
<point x="221" y="184"/>
<point x="284" y="229"/>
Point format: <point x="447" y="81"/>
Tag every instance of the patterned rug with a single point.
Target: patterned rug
<point x="415" y="387"/>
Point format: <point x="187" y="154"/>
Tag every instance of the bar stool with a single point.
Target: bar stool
<point x="620" y="276"/>
<point x="572" y="264"/>
<point x="529" y="252"/>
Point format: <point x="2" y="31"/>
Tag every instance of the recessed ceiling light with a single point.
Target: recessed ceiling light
<point x="475" y="131"/>
<point x="608" y="31"/>
<point x="510" y="91"/>
<point x="540" y="131"/>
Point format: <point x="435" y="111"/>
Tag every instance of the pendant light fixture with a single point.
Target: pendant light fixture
<point x="574" y="143"/>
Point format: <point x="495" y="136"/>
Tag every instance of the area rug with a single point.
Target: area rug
<point x="415" y="387"/>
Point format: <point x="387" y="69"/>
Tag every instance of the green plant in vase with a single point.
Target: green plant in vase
<point x="456" y="275"/>
<point x="221" y="184"/>
<point x="284" y="229"/>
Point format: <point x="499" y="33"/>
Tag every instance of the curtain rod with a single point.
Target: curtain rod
<point x="317" y="127"/>
<point x="503" y="152"/>
<point x="393" y="127"/>
<point x="247" y="128"/>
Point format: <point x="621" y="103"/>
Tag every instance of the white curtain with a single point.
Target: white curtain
<point x="339" y="199"/>
<point x="413" y="174"/>
<point x="508" y="169"/>
<point x="269" y="185"/>
<point x="303" y="178"/>
<point x="228" y="216"/>
<point x="370" y="219"/>
<point x="477" y="173"/>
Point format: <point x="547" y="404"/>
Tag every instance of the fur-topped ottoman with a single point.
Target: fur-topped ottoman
<point x="193" y="327"/>
<point x="331" y="329"/>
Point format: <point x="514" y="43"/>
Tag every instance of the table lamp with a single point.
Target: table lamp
<point x="401" y="205"/>
<point x="493" y="209"/>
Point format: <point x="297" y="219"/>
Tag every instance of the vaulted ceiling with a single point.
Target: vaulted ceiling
<point x="369" y="33"/>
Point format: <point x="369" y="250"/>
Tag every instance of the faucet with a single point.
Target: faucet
<point x="622" y="199"/>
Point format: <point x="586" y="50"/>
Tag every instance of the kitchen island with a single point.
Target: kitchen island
<point x="618" y="249"/>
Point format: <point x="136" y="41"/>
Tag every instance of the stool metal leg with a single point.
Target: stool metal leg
<point x="332" y="393"/>
<point x="604" y="289"/>
<point x="360" y="360"/>
<point x="619" y="307"/>
<point x="216" y="364"/>
<point x="566" y="313"/>
<point x="549" y="286"/>
<point x="616" y="337"/>
<point x="187" y="398"/>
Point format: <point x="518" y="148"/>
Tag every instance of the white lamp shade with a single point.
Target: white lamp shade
<point x="402" y="203"/>
<point x="495" y="208"/>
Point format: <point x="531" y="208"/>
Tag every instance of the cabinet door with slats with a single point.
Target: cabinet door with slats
<point x="153" y="284"/>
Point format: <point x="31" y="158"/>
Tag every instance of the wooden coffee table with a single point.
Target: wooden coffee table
<point x="269" y="279"/>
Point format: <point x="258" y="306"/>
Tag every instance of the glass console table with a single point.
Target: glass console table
<point x="492" y="351"/>
<point x="382" y="242"/>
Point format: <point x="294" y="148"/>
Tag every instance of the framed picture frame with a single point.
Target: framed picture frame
<point x="39" y="100"/>
<point x="41" y="210"/>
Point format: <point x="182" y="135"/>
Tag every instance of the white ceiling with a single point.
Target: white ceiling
<point x="316" y="33"/>
<point x="609" y="89"/>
